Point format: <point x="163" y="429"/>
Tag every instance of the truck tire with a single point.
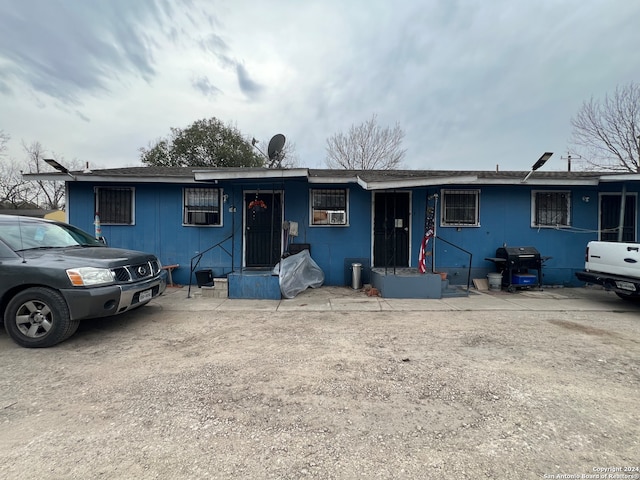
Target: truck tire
<point x="38" y="317"/>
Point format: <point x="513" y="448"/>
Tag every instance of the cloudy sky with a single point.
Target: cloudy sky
<point x="473" y="84"/>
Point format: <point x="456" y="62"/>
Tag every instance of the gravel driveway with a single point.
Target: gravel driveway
<point x="184" y="389"/>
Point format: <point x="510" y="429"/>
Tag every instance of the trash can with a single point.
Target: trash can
<point x="495" y="281"/>
<point x="204" y="278"/>
<point x="356" y="275"/>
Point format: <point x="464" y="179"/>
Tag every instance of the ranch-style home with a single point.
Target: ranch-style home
<point x="236" y="222"/>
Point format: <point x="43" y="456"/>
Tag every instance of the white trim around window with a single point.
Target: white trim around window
<point x="460" y="208"/>
<point x="550" y="208"/>
<point x="329" y="207"/>
<point x="201" y="207"/>
<point x="115" y="205"/>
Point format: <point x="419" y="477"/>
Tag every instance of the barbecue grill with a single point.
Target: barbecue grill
<point x="516" y="265"/>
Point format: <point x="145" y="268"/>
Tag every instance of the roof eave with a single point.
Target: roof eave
<point x="540" y="181"/>
<point x="620" y="178"/>
<point x="333" y="179"/>
<point x="210" y="175"/>
<point x="61" y="177"/>
<point x="414" y="182"/>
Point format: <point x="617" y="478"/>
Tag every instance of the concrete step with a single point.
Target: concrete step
<point x="220" y="289"/>
<point x="452" y="291"/>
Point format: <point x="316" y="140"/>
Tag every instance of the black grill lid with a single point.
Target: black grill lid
<point x="507" y="252"/>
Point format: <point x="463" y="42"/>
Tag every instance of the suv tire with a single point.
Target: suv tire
<point x="38" y="317"/>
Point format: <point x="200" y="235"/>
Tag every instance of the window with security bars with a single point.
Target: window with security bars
<point x="202" y="206"/>
<point x="460" y="208"/>
<point x="114" y="206"/>
<point x="551" y="209"/>
<point x="329" y="206"/>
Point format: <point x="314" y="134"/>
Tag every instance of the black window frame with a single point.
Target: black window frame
<point x="109" y="205"/>
<point x="204" y="208"/>
<point x="553" y="200"/>
<point x="327" y="205"/>
<point x="452" y="204"/>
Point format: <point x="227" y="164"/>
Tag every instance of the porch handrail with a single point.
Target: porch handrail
<point x="193" y="267"/>
<point x="462" y="250"/>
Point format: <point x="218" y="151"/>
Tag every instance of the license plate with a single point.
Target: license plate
<point x="145" y="295"/>
<point x="626" y="286"/>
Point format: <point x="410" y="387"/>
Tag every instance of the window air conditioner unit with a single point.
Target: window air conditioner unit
<point x="336" y="218"/>
<point x="198" y="218"/>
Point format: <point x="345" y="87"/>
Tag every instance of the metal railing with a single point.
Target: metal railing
<point x="199" y="256"/>
<point x="462" y="250"/>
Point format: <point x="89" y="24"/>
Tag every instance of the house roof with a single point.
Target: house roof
<point x="367" y="179"/>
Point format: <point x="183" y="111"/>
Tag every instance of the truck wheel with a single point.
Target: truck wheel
<point x="38" y="317"/>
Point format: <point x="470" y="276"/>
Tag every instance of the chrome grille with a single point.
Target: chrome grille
<point x="155" y="267"/>
<point x="133" y="273"/>
<point x="142" y="270"/>
<point x="121" y="274"/>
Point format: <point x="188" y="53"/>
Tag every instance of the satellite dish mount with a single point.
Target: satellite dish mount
<point x="276" y="144"/>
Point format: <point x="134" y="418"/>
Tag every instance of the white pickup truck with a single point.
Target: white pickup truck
<point x="615" y="266"/>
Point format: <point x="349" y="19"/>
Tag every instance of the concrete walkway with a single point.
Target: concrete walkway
<point x="346" y="299"/>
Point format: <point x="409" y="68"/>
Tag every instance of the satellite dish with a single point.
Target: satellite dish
<point x="276" y="145"/>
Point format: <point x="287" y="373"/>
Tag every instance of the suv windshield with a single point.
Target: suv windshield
<point x="26" y="235"/>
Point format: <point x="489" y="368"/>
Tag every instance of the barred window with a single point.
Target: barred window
<point x="329" y="206"/>
<point x="201" y="206"/>
<point x="550" y="209"/>
<point x="460" y="208"/>
<point x="115" y="205"/>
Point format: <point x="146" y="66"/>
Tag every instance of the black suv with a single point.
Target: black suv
<point x="52" y="275"/>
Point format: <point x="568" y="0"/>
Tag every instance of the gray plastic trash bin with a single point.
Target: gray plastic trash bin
<point x="356" y="275"/>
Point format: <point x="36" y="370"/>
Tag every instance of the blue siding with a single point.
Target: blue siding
<point x="505" y="218"/>
<point x="330" y="245"/>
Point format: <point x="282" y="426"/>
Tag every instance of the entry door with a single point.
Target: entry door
<point x="391" y="229"/>
<point x="263" y="227"/>
<point x="610" y="218"/>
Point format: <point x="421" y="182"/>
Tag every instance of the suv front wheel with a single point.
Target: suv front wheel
<point x="38" y="317"/>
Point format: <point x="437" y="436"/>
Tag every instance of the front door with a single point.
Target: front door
<point x="391" y="229"/>
<point x="610" y="218"/>
<point x="263" y="228"/>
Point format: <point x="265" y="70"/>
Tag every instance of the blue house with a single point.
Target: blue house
<point x="238" y="221"/>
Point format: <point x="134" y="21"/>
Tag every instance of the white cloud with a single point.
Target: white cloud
<point x="473" y="84"/>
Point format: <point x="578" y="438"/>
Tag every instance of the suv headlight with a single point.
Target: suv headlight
<point x="87" y="276"/>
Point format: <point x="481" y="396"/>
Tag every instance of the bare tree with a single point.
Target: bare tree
<point x="13" y="189"/>
<point x="609" y="131"/>
<point x="50" y="194"/>
<point x="366" y="147"/>
<point x="15" y="192"/>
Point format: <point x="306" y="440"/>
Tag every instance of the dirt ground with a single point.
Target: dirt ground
<point x="160" y="393"/>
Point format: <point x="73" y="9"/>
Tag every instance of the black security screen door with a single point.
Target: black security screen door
<point x="263" y="226"/>
<point x="610" y="218"/>
<point x="391" y="230"/>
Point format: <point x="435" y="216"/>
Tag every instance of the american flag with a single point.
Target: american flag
<point x="428" y="234"/>
<point x="422" y="258"/>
